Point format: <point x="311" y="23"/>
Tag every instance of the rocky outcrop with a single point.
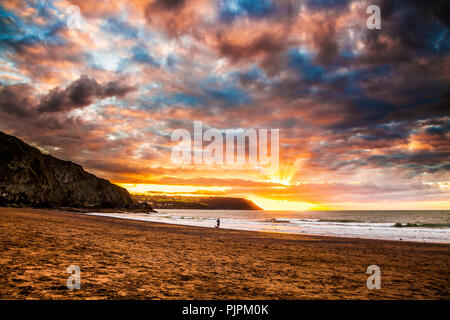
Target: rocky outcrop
<point x="31" y="178"/>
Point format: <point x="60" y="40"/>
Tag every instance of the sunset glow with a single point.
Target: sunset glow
<point x="363" y="114"/>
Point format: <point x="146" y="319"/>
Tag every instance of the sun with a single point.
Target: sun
<point x="283" y="176"/>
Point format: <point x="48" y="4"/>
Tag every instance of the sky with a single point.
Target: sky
<point x="363" y="114"/>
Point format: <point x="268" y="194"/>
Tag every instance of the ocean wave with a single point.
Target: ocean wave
<point x="356" y="223"/>
<point x="277" y="221"/>
<point x="421" y="225"/>
<point x="339" y="220"/>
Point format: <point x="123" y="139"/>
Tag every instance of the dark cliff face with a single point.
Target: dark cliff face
<point x="28" y="177"/>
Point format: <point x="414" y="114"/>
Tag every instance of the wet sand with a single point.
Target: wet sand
<point x="126" y="259"/>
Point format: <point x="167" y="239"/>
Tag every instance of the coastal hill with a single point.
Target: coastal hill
<point x="31" y="178"/>
<point x="190" y="202"/>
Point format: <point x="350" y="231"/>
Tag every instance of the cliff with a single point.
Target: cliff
<point x="31" y="178"/>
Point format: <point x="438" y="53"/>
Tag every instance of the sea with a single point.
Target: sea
<point x="417" y="225"/>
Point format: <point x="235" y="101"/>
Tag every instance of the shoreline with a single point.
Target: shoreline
<point x="147" y="216"/>
<point x="129" y="259"/>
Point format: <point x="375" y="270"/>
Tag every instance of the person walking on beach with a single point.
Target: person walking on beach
<point x="218" y="223"/>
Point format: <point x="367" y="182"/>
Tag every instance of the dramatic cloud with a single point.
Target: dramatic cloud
<point x="18" y="99"/>
<point x="363" y="114"/>
<point x="80" y="93"/>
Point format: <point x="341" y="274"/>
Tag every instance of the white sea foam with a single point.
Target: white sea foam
<point x="363" y="224"/>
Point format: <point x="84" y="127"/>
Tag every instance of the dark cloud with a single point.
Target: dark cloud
<point x="421" y="161"/>
<point x="412" y="26"/>
<point x="327" y="4"/>
<point x="16" y="99"/>
<point x="428" y="9"/>
<point x="81" y="93"/>
<point x="267" y="49"/>
<point x="167" y="4"/>
<point x="422" y="109"/>
<point x="20" y="99"/>
<point x="116" y="88"/>
<point x="326" y="43"/>
<point x="114" y="167"/>
<point x="265" y="44"/>
<point x="171" y="16"/>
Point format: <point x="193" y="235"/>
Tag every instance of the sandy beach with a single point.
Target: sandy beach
<point x="125" y="259"/>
